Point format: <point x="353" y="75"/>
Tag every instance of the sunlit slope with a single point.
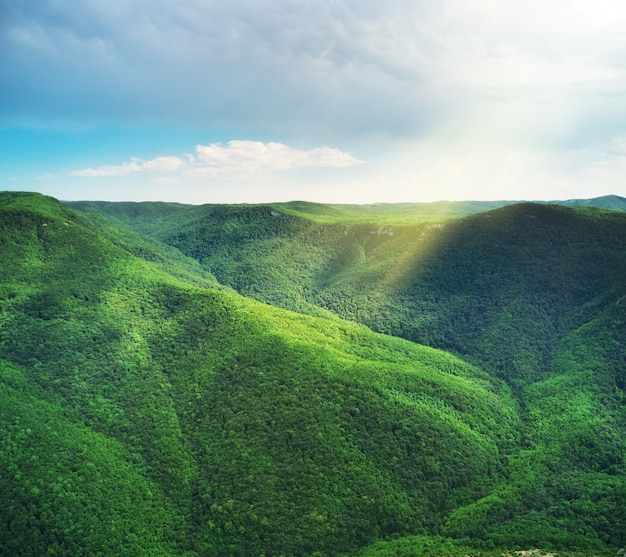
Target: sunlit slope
<point x="68" y="488"/>
<point x="453" y="284"/>
<point x="532" y="293"/>
<point x="473" y="285"/>
<point x="286" y="254"/>
<point x="567" y="484"/>
<point x="470" y="285"/>
<point x="503" y="287"/>
<point x="194" y="420"/>
<point x="537" y="295"/>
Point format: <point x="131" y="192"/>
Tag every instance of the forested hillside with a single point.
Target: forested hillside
<point x="150" y="406"/>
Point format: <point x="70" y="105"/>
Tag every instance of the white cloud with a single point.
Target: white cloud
<point x="163" y="164"/>
<point x="237" y="160"/>
<point x="489" y="43"/>
<point x="253" y="159"/>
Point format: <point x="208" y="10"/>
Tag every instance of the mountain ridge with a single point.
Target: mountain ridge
<point x="403" y="213"/>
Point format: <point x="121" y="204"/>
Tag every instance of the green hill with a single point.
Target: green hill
<point x="145" y="415"/>
<point x="149" y="409"/>
<point x="469" y="285"/>
<point x="609" y="202"/>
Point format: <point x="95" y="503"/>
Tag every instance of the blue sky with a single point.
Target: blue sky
<point x="353" y="101"/>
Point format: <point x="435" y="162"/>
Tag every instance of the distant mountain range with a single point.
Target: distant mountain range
<point x="609" y="202"/>
<point x="456" y="208"/>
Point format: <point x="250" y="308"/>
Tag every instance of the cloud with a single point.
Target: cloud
<point x="318" y="68"/>
<point x="237" y="160"/>
<point x="473" y="76"/>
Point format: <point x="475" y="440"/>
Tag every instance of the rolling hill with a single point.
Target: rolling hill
<point x="179" y="380"/>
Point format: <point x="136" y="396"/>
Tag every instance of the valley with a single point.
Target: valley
<point x="303" y="379"/>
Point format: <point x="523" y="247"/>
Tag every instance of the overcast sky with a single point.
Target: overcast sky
<point x="346" y="101"/>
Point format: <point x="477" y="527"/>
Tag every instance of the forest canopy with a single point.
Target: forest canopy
<point x="302" y="379"/>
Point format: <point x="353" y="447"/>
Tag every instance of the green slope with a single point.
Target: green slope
<point x="154" y="218"/>
<point x="468" y="285"/>
<point x="495" y="272"/>
<point x="532" y="293"/>
<point x="608" y="202"/>
<point x="249" y="429"/>
<point x="143" y="414"/>
<point x="68" y="489"/>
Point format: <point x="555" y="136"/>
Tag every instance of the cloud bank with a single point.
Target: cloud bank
<point x="349" y="67"/>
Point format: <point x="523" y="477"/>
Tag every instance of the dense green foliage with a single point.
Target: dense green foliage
<point x="148" y="410"/>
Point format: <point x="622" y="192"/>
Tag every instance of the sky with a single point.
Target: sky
<point x="336" y="101"/>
